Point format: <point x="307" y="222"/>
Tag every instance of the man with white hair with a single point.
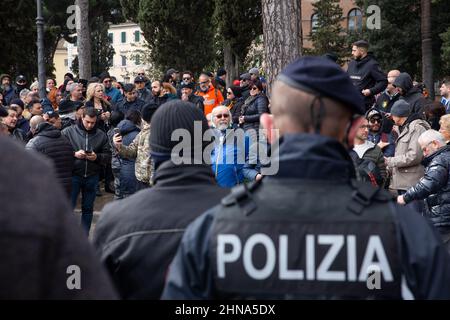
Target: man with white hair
<point x="230" y="157"/>
<point x="434" y="187"/>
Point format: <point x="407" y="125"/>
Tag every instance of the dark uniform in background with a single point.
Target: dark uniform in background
<point x="365" y="73"/>
<point x="311" y="231"/>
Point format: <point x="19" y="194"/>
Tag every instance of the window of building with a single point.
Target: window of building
<point x="138" y="60"/>
<point x="314" y="22"/>
<point x="124" y="61"/>
<point x="355" y="20"/>
<point x="111" y="37"/>
<point x="66" y="62"/>
<point x="124" y="37"/>
<point x="137" y="36"/>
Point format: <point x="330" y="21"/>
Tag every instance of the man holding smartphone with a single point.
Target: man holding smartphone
<point x="91" y="152"/>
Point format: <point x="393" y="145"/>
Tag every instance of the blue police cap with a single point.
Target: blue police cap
<point x="322" y="77"/>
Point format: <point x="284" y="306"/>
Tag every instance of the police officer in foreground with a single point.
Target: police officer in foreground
<point x="310" y="231"/>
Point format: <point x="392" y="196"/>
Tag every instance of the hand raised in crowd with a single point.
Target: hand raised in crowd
<point x="117" y="140"/>
<point x="106" y="115"/>
<point x="241" y="119"/>
<point x="366" y="92"/>
<point x="80" y="154"/>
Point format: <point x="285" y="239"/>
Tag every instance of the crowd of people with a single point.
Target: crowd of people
<point x="106" y="123"/>
<point x="348" y="144"/>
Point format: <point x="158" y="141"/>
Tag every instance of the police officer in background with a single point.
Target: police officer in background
<point x="310" y="231"/>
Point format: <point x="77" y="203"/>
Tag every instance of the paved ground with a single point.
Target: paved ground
<point x="100" y="202"/>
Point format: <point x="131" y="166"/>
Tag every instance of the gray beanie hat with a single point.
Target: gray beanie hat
<point x="401" y="109"/>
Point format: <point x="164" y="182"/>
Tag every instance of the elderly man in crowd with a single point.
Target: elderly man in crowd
<point x="230" y="155"/>
<point x="434" y="187"/>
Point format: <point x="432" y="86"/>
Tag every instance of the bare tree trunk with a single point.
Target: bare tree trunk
<point x="84" y="40"/>
<point x="282" y="26"/>
<point x="228" y="63"/>
<point x="427" y="49"/>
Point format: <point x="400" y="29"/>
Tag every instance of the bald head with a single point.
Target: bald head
<point x="34" y="122"/>
<point x="391" y="76"/>
<point x="291" y="109"/>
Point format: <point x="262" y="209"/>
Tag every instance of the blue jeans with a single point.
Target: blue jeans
<point x="87" y="186"/>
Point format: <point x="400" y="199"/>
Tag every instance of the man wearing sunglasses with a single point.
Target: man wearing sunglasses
<point x="386" y="141"/>
<point x="212" y="97"/>
<point x="114" y="94"/>
<point x="230" y="155"/>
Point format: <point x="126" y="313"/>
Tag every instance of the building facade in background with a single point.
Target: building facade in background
<point x="129" y="46"/>
<point x="352" y="18"/>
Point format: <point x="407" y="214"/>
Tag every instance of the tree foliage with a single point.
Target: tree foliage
<point x="179" y="33"/>
<point x="239" y="23"/>
<point x="18" y="31"/>
<point x="328" y="35"/>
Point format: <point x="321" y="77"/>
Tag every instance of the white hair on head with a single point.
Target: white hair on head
<point x="73" y="86"/>
<point x="213" y="112"/>
<point x="430" y="136"/>
<point x="34" y="85"/>
<point x="23" y="93"/>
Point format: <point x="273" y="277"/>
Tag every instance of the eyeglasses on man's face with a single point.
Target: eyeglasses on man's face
<point x="373" y="121"/>
<point x="254" y="88"/>
<point x="224" y="115"/>
<point x="204" y="82"/>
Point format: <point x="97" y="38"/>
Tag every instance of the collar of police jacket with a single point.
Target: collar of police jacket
<point x="315" y="157"/>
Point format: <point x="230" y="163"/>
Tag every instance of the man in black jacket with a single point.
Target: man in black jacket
<point x="44" y="254"/>
<point x="136" y="238"/>
<point x="365" y="73"/>
<point x="187" y="94"/>
<point x="49" y="141"/>
<point x="434" y="187"/>
<point x="131" y="101"/>
<point x="91" y="151"/>
<point x="410" y="94"/>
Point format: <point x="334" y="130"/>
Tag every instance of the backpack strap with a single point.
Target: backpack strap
<point x="362" y="196"/>
<point x="241" y="195"/>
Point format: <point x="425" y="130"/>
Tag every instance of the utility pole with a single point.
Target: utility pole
<point x="40" y="47"/>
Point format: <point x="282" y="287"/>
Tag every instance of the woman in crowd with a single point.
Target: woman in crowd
<point x="51" y="92"/>
<point x="234" y="103"/>
<point x="254" y="107"/>
<point x="96" y="98"/>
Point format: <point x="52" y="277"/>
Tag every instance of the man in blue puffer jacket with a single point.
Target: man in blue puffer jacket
<point x="230" y="157"/>
<point x="434" y="187"/>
